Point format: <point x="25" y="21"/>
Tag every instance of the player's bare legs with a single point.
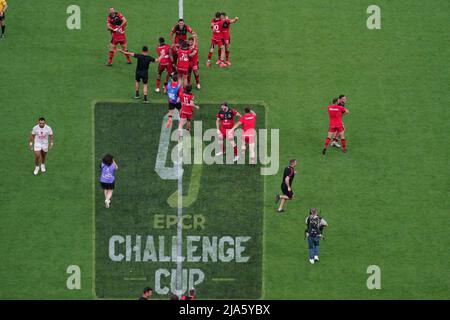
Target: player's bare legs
<point x="227" y="54"/>
<point x="146" y="93"/>
<point x="230" y="137"/>
<point x="180" y="127"/>
<point x="222" y="63"/>
<point x="343" y="141"/>
<point x="327" y="141"/>
<point x="43" y="158"/>
<point x="37" y="158"/>
<point x="136" y="88"/>
<point x="158" y="80"/>
<point x="124" y="48"/>
<point x="252" y="153"/>
<point x="197" y="78"/>
<point x="335" y="143"/>
<point x="112" y="51"/>
<point x="183" y="79"/>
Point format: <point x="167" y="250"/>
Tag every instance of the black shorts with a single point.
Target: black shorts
<point x="285" y="191"/>
<point x="142" y="76"/>
<point x="108" y="186"/>
<point x="2" y="18"/>
<point x="174" y="105"/>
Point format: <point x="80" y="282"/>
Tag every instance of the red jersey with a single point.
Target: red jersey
<point x="181" y="33"/>
<point x="187" y="103"/>
<point x="226" y="118"/>
<point x="226" y="24"/>
<point x="248" y="121"/>
<point x="216" y="26"/>
<point x="114" y="21"/>
<point x="335" y="112"/>
<point x="164" y="51"/>
<point x="183" y="59"/>
<point x="193" y="56"/>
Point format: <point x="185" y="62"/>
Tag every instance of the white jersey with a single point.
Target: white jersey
<point x="41" y="135"/>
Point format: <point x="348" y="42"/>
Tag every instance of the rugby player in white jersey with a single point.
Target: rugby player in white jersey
<point x="40" y="135"/>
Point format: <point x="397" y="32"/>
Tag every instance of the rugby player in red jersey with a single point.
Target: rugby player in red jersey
<point x="226" y="24"/>
<point x="187" y="108"/>
<point x="248" y="121"/>
<point x="116" y="24"/>
<point x="180" y="31"/>
<point x="193" y="62"/>
<point x="340" y="101"/>
<point x="335" y="113"/>
<point x="174" y="48"/>
<point x="183" y="63"/>
<point x="224" y="124"/>
<point x="164" y="51"/>
<point x="217" y="39"/>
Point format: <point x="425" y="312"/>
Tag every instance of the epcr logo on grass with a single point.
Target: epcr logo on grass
<point x="200" y="147"/>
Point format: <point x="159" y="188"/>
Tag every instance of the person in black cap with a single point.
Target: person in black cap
<point x="147" y="294"/>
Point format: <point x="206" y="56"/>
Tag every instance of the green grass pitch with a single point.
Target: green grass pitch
<point x="386" y="200"/>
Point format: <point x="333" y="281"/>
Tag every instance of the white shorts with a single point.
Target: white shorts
<point x="40" y="147"/>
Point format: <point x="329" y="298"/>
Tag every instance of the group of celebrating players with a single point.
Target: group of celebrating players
<point x="179" y="61"/>
<point x="181" y="57"/>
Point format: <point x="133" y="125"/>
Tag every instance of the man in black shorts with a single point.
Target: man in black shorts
<point x="144" y="61"/>
<point x="286" y="185"/>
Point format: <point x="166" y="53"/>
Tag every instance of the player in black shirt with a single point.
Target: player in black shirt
<point x="142" y="66"/>
<point x="147" y="294"/>
<point x="286" y="185"/>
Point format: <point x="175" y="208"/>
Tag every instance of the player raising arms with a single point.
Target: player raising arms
<point x="226" y="24"/>
<point x="164" y="51"/>
<point x="173" y="89"/>
<point x="193" y="61"/>
<point x="335" y="112"/>
<point x="217" y="39"/>
<point x="116" y="24"/>
<point x="224" y="124"/>
<point x="187" y="109"/>
<point x="183" y="63"/>
<point x="180" y="31"/>
<point x="248" y="121"/>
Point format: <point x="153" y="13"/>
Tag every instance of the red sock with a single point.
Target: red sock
<point x="197" y="78"/>
<point x="235" y="150"/>
<point x="111" y="55"/>
<point x="209" y="55"/>
<point x="343" y="144"/>
<point x="219" y="53"/>
<point x="327" y="142"/>
<point x="158" y="82"/>
<point x="227" y="54"/>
